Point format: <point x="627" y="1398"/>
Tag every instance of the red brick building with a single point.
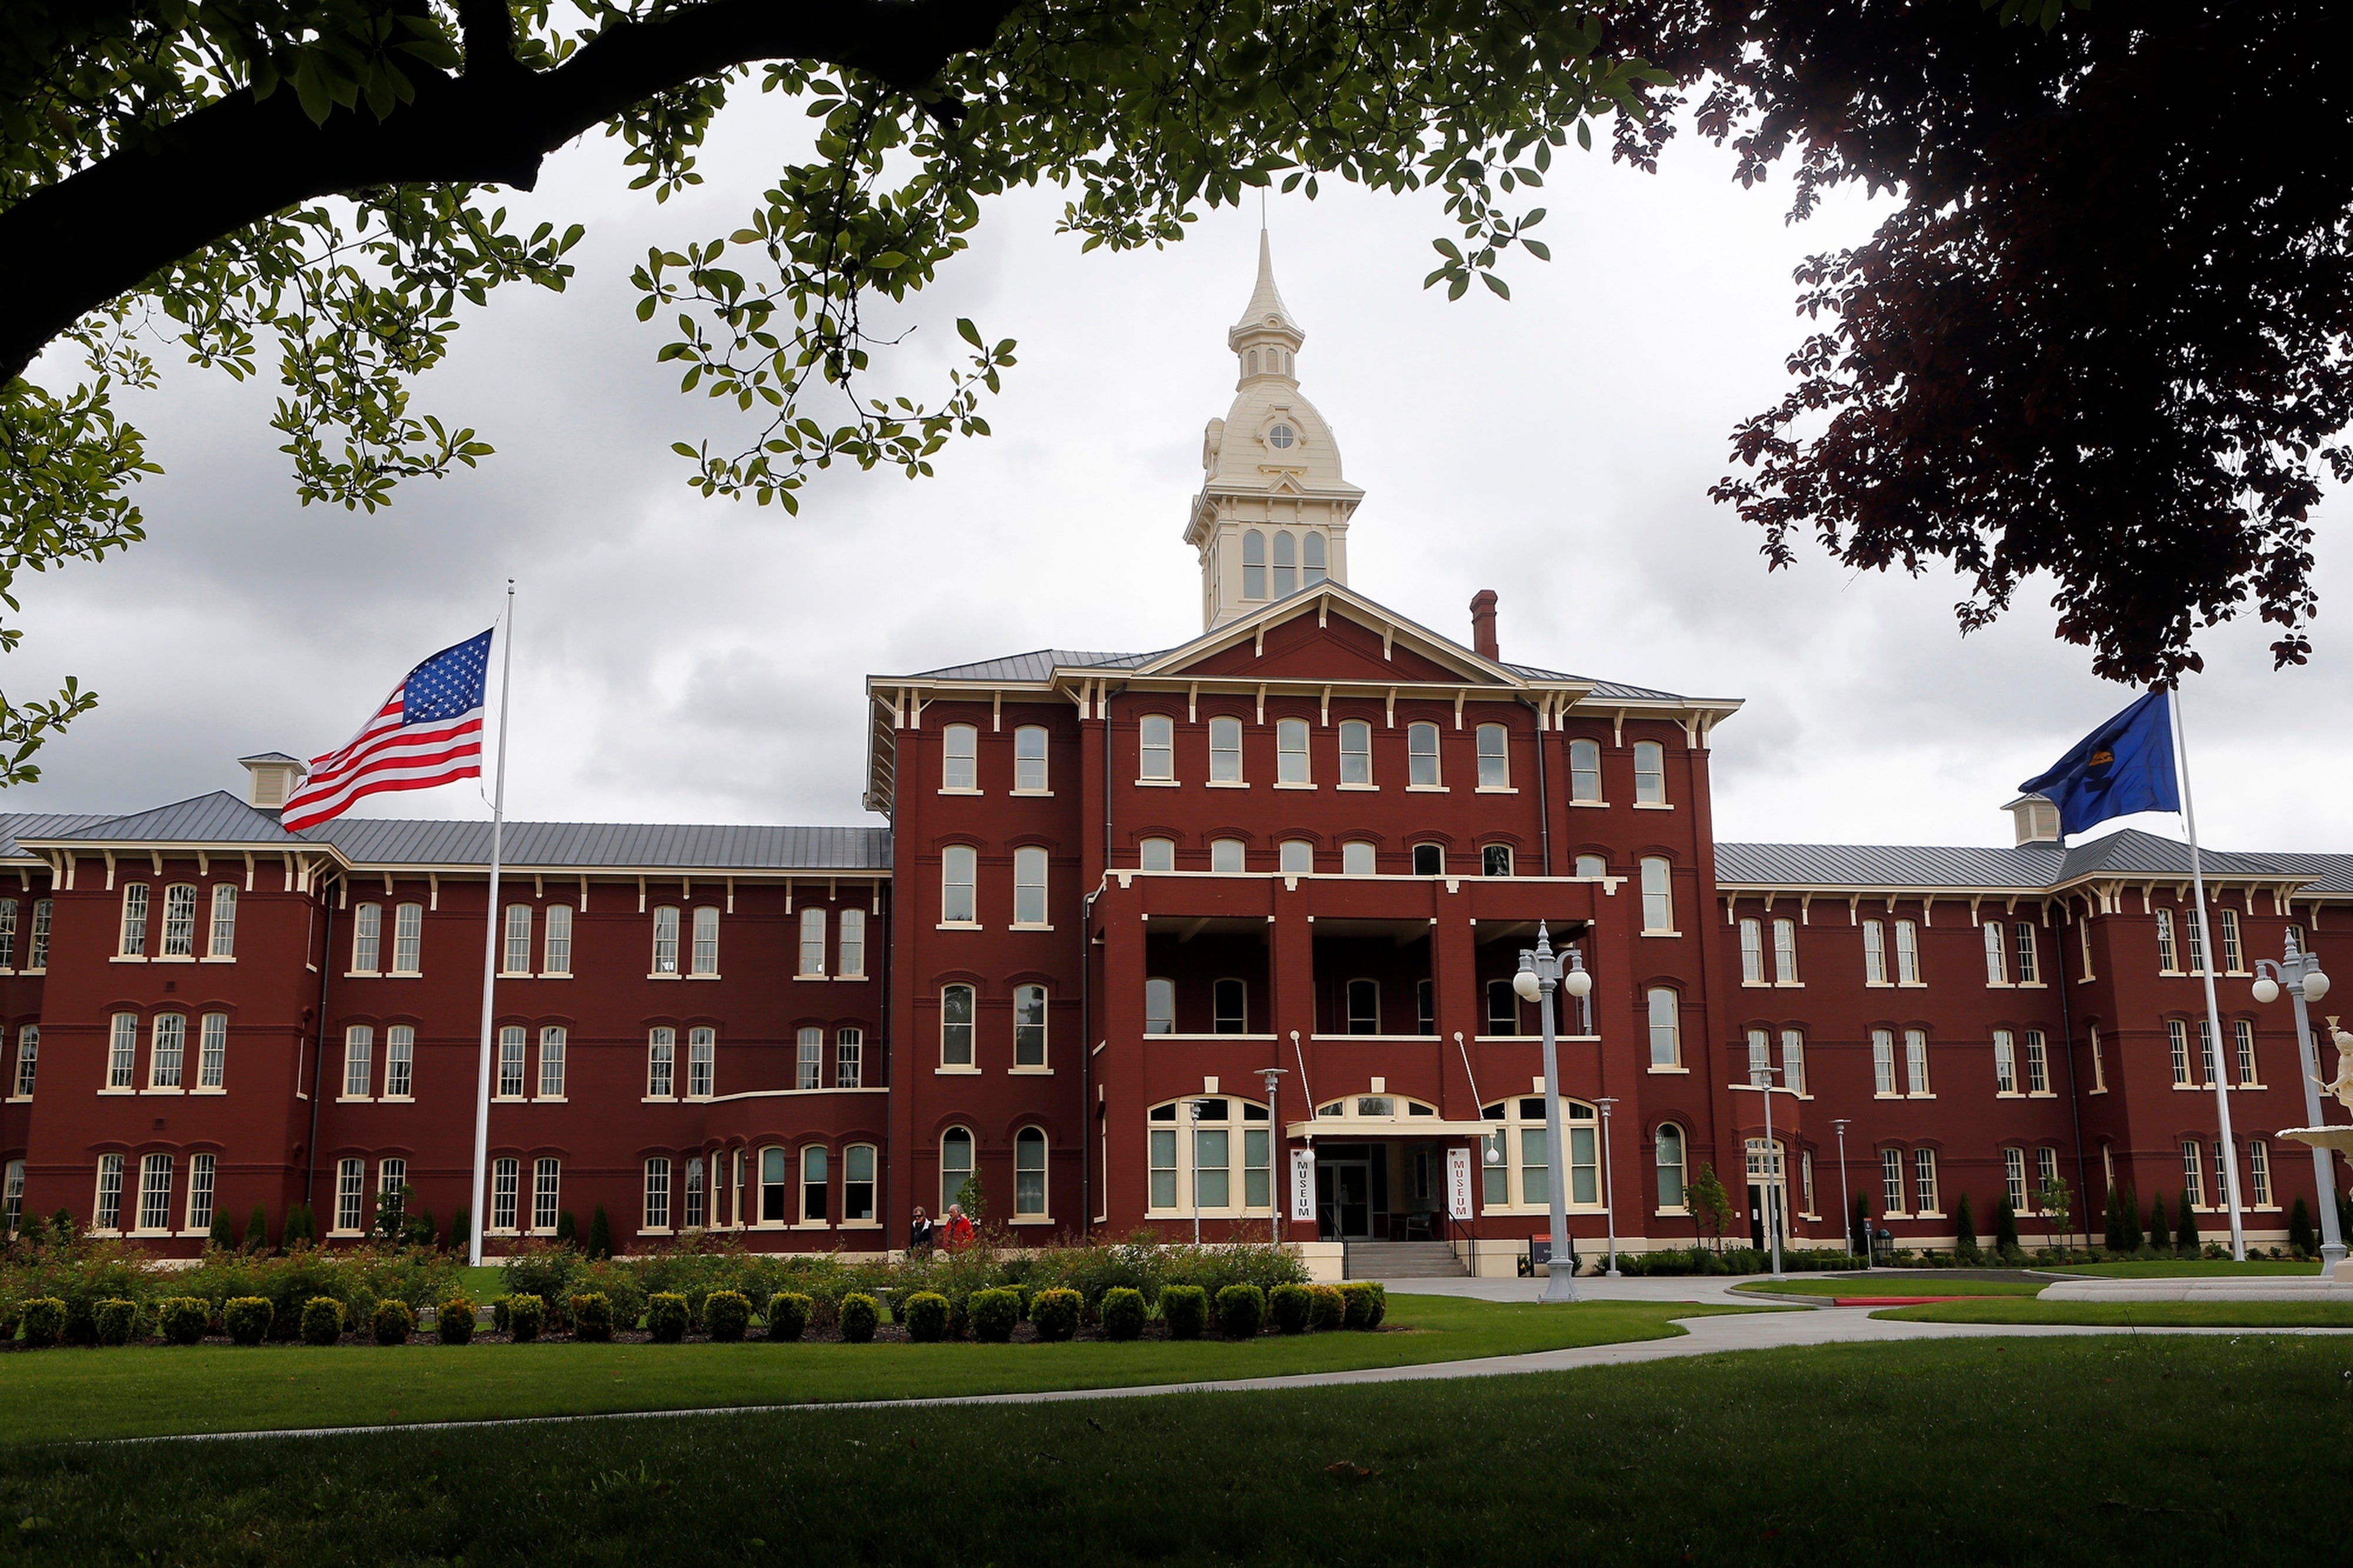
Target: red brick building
<point x="1116" y="892"/>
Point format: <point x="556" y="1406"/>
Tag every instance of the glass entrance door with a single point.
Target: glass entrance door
<point x="1343" y="1198"/>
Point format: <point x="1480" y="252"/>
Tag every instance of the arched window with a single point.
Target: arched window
<point x="1585" y="770"/>
<point x="1429" y="860"/>
<point x="1157" y="855"/>
<point x="1518" y="1160"/>
<point x="1658" y="898"/>
<point x="1225" y="751"/>
<point x="955" y="1164"/>
<point x="1192" y="1161"/>
<point x="774" y="1195"/>
<point x="1363" y="1006"/>
<point x="665" y="939"/>
<point x="813" y="1183"/>
<point x="516" y="959"/>
<point x="1029" y="1026"/>
<point x="1291" y="748"/>
<point x="1253" y="362"/>
<point x="1421" y="756"/>
<point x="1592" y="866"/>
<point x="1649" y="774"/>
<point x="813" y="940"/>
<point x="1357" y="859"/>
<point x="1158" y="736"/>
<point x="1029" y="886"/>
<point x="1312" y="570"/>
<point x="1356" y="751"/>
<point x="958" y="905"/>
<point x="1230" y="1007"/>
<point x="704" y="959"/>
<point x="1253" y="565"/>
<point x="1494" y="761"/>
<point x="956" y="1025"/>
<point x="407" y="937"/>
<point x="1159" y="1006"/>
<point x="1226" y="855"/>
<point x="1666" y="1027"/>
<point x="960" y="758"/>
<point x="1030" y="1174"/>
<point x="1670" y="1165"/>
<point x="1298" y="857"/>
<point x="857" y="1184"/>
<point x="1029" y="759"/>
<point x="555" y="957"/>
<point x="179" y="919"/>
<point x="1286" y="565"/>
<point x="853" y="944"/>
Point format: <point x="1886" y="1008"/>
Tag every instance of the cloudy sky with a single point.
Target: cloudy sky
<point x="683" y="659"/>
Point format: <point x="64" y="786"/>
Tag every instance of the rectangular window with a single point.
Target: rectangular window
<point x="1225" y="751"/>
<point x="2029" y="967"/>
<point x="959" y="906"/>
<point x="849" y="1058"/>
<point x="2242" y="1034"/>
<point x="105" y="1213"/>
<point x="706" y="940"/>
<point x="658" y="1193"/>
<point x="511" y="1062"/>
<point x="359" y="1048"/>
<point x="2099" y="1068"/>
<point x="813" y="1184"/>
<point x="134" y="920"/>
<point x="2259" y="1173"/>
<point x="1882" y="1061"/>
<point x="2083" y="939"/>
<point x="1907" y="953"/>
<point x="39" y="956"/>
<point x="550" y="1062"/>
<point x="812" y="942"/>
<point x="2005" y="1063"/>
<point x="2013" y="1175"/>
<point x="7" y="934"/>
<point x="1163" y="1147"/>
<point x="1891" y="1180"/>
<point x="156" y="1193"/>
<point x="1650" y="773"/>
<point x="1356" y="751"/>
<point x="1425" y="1007"/>
<point x="1029" y="886"/>
<point x="2167" y="961"/>
<point x="1760" y="1056"/>
<point x="1230" y="1007"/>
<point x="857" y="1184"/>
<point x="1290" y="752"/>
<point x="1503" y="1008"/>
<point x="1916" y="1061"/>
<point x="1666" y="1026"/>
<point x="2193" y="1186"/>
<point x="2038" y="1064"/>
<point x="367" y="932"/>
<point x="665" y="939"/>
<point x="1874" y="953"/>
<point x="400" y="1061"/>
<point x="121" y="1050"/>
<point x="1495" y="860"/>
<point x="506" y="1178"/>
<point x="1159" y="1005"/>
<point x="662" y="1063"/>
<point x="2177" y="1034"/>
<point x="2195" y="929"/>
<point x="1212" y="1168"/>
<point x="545" y="1177"/>
<point x="516" y="957"/>
<point x="1784" y="953"/>
<point x="959" y="757"/>
<point x="1029" y="759"/>
<point x="351" y="1195"/>
<point x="1996" y="966"/>
<point x="808" y="1058"/>
<point x="2226" y="937"/>
<point x="408" y="939"/>
<point x="1535" y="1167"/>
<point x="695" y="1195"/>
<point x="1421" y="756"/>
<point x="2046" y="1170"/>
<point x="1585" y="770"/>
<point x="1494" y="757"/>
<point x="1793" y="1060"/>
<point x="1924" y="1179"/>
<point x="28" y="1058"/>
<point x="203" y="1172"/>
<point x="852" y="944"/>
<point x="222" y="939"/>
<point x="555" y="954"/>
<point x="180" y="922"/>
<point x="168" y="1050"/>
<point x="1752" y="952"/>
<point x="1363" y="1006"/>
<point x="1158" y="741"/>
<point x="955" y="1026"/>
<point x="1658" y="898"/>
<point x="1258" y="1165"/>
<point x="2206" y="1051"/>
<point x="1029" y="1026"/>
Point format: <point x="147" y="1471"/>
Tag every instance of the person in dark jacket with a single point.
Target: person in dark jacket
<point x="921" y="1234"/>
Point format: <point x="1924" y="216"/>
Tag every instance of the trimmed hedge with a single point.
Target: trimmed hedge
<point x="1366" y="1304"/>
<point x="925" y="1314"/>
<point x="248" y="1319"/>
<point x="1287" y="1306"/>
<point x="592" y="1316"/>
<point x="1122" y="1312"/>
<point x="666" y="1317"/>
<point x="1055" y="1314"/>
<point x="993" y="1313"/>
<point x="726" y="1314"/>
<point x="322" y="1321"/>
<point x="526" y="1315"/>
<point x="788" y="1315"/>
<point x="182" y="1319"/>
<point x="44" y="1321"/>
<point x="453" y="1321"/>
<point x="112" y="1321"/>
<point x="1380" y="1307"/>
<point x="1326" y="1308"/>
<point x="1185" y="1309"/>
<point x="393" y="1322"/>
<point x="1241" y="1309"/>
<point x="859" y="1316"/>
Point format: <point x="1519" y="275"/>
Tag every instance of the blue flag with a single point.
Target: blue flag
<point x="2124" y="765"/>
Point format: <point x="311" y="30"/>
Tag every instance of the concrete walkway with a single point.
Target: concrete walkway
<point x="2215" y="1287"/>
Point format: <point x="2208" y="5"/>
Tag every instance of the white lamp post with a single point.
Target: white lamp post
<point x="1277" y="1174"/>
<point x="1846" y="1205"/>
<point x="1608" y="1186"/>
<point x="1539" y="975"/>
<point x="1760" y="1080"/>
<point x="1194" y="1107"/>
<point x="2299" y="974"/>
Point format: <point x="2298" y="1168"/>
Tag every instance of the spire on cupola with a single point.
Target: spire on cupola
<point x="1266" y="341"/>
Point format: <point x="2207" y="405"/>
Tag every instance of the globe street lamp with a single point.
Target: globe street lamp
<point x="1846" y="1207"/>
<point x="2299" y="974"/>
<point x="1608" y="1186"/>
<point x="1539" y="974"/>
<point x="1760" y="1080"/>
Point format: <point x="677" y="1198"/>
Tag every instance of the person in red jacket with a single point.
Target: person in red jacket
<point x="957" y="1229"/>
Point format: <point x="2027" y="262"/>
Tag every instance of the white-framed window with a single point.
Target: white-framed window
<point x="408" y="939"/>
<point x="1793" y="1062"/>
<point x="1029" y="886"/>
<point x="665" y="939"/>
<point x="704" y="959"/>
<point x="657" y="1210"/>
<point x="701" y="1062"/>
<point x="555" y="946"/>
<point x="1883" y="1063"/>
<point x="1525" y="1171"/>
<point x="2243" y="1037"/>
<point x="511" y="1047"/>
<point x="1806" y="1179"/>
<point x="12" y="1198"/>
<point x="2195" y="930"/>
<point x="204" y="1170"/>
<point x="1363" y="999"/>
<point x="351" y="1195"/>
<point x="1658" y="897"/>
<point x="1029" y="1174"/>
<point x="400" y="1061"/>
<point x="1229" y="1007"/>
<point x="812" y="962"/>
<point x="1668" y="1146"/>
<point x="2038" y="1063"/>
<point x="1030" y="760"/>
<point x="956" y="1025"/>
<point x="850" y="944"/>
<point x="39" y="956"/>
<point x="1286" y="565"/>
<point x="506" y="1180"/>
<point x="814" y="1183"/>
<point x="849" y="1058"/>
<point x="168" y="1050"/>
<point x="858" y="1163"/>
<point x="1311" y="548"/>
<point x="1156" y="855"/>
<point x="2226" y="937"/>
<point x="2083" y="939"/>
<point x="1585" y="770"/>
<point x="1649" y="774"/>
<point x="959" y="904"/>
<point x="959" y="757"/>
<point x="955" y="1163"/>
<point x="1295" y="856"/>
<point x="2030" y="964"/>
<point x="1253" y="563"/>
<point x="1495" y="860"/>
<point x="134" y="920"/>
<point x="7" y="934"/>
<point x="2193" y="1186"/>
<point x="1356" y="751"/>
<point x="551" y="1061"/>
<point x="1784" y="953"/>
<point x="29" y="1059"/>
<point x="1029" y="1025"/>
<point x="1225" y="750"/>
<point x="1924" y="1180"/>
<point x="359" y="1060"/>
<point x="2099" y="1068"/>
<point x="2013" y="1178"/>
<point x="1227" y="857"/>
<point x="661" y="1062"/>
<point x="1752" y="952"/>
<point x="156" y="1193"/>
<point x="1503" y="1008"/>
<point x="106" y="1212"/>
<point x="1290" y="762"/>
<point x="1156" y="740"/>
<point x="2259" y="1173"/>
<point x="1916" y="1061"/>
<point x="1421" y="757"/>
<point x="212" y="1051"/>
<point x="1219" y="1163"/>
<point x="546" y="1177"/>
<point x="808" y="1057"/>
<point x="1996" y="954"/>
<point x="515" y="955"/>
<point x="1494" y="757"/>
<point x="1159" y="1005"/>
<point x="1429" y="861"/>
<point x="121" y="1050"/>
<point x="2176" y="1035"/>
<point x="2046" y="1170"/>
<point x="367" y="938"/>
<point x="1891" y="1180"/>
<point x="1875" y="952"/>
<point x="221" y="939"/>
<point x="1760" y="1056"/>
<point x="1907" y="953"/>
<point x="2167" y="960"/>
<point x="2005" y="1063"/>
<point x="1355" y="859"/>
<point x="1665" y="1005"/>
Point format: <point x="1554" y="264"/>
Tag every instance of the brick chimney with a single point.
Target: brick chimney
<point x="1483" y="625"/>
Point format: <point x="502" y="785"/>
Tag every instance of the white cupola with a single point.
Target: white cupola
<point x="1272" y="514"/>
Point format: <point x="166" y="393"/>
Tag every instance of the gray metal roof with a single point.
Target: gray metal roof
<point x="1601" y="689"/>
<point x="2129" y="853"/>
<point x="16" y="824"/>
<point x="1039" y="665"/>
<point x="216" y="818"/>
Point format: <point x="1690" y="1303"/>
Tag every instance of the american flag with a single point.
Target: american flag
<point x="427" y="733"/>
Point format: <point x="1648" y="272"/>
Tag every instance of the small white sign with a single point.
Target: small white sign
<point x="1302" y="1185"/>
<point x="1457" y="1183"/>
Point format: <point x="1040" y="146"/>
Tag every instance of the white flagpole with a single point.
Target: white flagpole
<point x="2207" y="953"/>
<point x="476" y="1220"/>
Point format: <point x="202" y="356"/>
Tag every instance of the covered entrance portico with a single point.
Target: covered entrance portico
<point x="1382" y="1167"/>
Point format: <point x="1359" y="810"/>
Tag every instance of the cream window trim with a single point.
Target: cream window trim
<point x="1016" y="925"/>
<point x="1655" y="806"/>
<point x="1655" y="1070"/>
<point x="959" y="925"/>
<point x="1496" y="789"/>
<point x="1048" y="1072"/>
<point x="1604" y="805"/>
<point x="944" y="790"/>
<point x="1304" y="786"/>
<point x="956" y="1072"/>
<point x="1662" y="933"/>
<point x="1029" y="794"/>
<point x="1226" y="783"/>
<point x="1140" y="784"/>
<point x="1048" y="1219"/>
<point x="1428" y="789"/>
<point x="654" y="976"/>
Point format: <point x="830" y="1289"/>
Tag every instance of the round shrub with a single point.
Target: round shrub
<point x="1288" y="1306"/>
<point x="44" y="1321"/>
<point x="322" y="1321"/>
<point x="1185" y="1309"/>
<point x="115" y="1320"/>
<point x="182" y="1319"/>
<point x="788" y="1315"/>
<point x="1378" y="1294"/>
<point x="666" y="1317"/>
<point x="1241" y="1310"/>
<point x="1326" y="1308"/>
<point x="1364" y="1301"/>
<point x="592" y="1316"/>
<point x="393" y="1321"/>
<point x="526" y="1315"/>
<point x="1055" y="1314"/>
<point x="453" y="1321"/>
<point x="726" y="1313"/>
<point x="993" y="1313"/>
<point x="925" y="1313"/>
<point x="1122" y="1312"/>
<point x="246" y="1318"/>
<point x="859" y="1316"/>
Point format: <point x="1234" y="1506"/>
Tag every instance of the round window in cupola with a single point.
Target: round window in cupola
<point x="1281" y="436"/>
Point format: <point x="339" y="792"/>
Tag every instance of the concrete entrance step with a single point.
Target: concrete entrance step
<point x="1403" y="1260"/>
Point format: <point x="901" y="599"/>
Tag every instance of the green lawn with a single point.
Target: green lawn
<point x="2087" y="1451"/>
<point x="151" y="1390"/>
<point x="1895" y="1285"/>
<point x="2135" y="1314"/>
<point x="2187" y="1268"/>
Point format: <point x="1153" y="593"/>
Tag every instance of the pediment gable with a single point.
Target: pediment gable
<point x="1329" y="634"/>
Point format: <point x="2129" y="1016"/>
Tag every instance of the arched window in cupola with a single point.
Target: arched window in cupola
<point x="1286" y="565"/>
<point x="1312" y="560"/>
<point x="1253" y="565"/>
